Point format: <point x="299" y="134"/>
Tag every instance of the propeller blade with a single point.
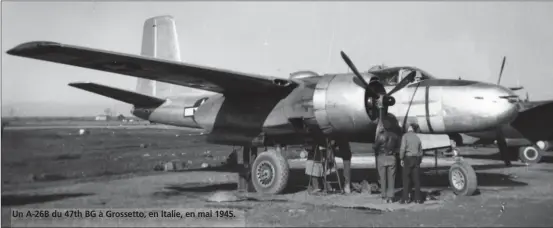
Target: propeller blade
<point x="353" y="68"/>
<point x="501" y="71"/>
<point x="348" y="61"/>
<point x="404" y="82"/>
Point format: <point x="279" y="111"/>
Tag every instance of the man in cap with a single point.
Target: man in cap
<point x="385" y="147"/>
<point x="410" y="154"/>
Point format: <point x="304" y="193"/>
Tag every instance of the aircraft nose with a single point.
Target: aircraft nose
<point x="501" y="102"/>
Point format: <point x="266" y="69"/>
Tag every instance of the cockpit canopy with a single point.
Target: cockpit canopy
<point x="303" y="74"/>
<point x="391" y="76"/>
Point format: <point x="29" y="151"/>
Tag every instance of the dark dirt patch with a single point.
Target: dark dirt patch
<point x="18" y="200"/>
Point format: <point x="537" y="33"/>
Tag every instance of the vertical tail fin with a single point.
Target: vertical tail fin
<point x="159" y="40"/>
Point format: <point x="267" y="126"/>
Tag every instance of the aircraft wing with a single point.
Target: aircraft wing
<point x="536" y="123"/>
<point x="178" y="73"/>
<point x="531" y="104"/>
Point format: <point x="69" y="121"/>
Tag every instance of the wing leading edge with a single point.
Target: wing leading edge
<point x="178" y="73"/>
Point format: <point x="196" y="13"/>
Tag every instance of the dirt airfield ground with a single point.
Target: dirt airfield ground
<point x="51" y="167"/>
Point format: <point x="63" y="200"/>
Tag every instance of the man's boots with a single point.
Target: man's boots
<point x="347" y="176"/>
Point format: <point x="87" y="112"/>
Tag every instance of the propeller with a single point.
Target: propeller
<point x="500" y="137"/>
<point x="377" y="100"/>
<point x="501" y="71"/>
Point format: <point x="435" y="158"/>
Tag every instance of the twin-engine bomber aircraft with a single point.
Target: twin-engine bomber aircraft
<point x="254" y="111"/>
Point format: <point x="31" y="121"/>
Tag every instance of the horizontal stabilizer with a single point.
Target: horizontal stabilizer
<point x="136" y="99"/>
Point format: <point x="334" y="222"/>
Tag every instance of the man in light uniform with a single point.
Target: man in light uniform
<point x="410" y="154"/>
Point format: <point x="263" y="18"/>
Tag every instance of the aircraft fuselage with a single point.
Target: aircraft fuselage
<point x="334" y="104"/>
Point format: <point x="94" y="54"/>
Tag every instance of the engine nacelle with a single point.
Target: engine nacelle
<point x="339" y="106"/>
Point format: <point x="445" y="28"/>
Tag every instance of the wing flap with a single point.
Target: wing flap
<point x="139" y="100"/>
<point x="178" y="73"/>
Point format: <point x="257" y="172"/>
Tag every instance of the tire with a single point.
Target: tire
<point x="270" y="163"/>
<point x="530" y="154"/>
<point x="462" y="179"/>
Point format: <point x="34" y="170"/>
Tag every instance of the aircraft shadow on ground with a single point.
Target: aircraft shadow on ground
<point x="429" y="179"/>
<point x="203" y="187"/>
<point x="222" y="168"/>
<point x="18" y="200"/>
<point x="299" y="181"/>
<point x="194" y="189"/>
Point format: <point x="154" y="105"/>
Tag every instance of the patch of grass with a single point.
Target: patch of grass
<point x="63" y="154"/>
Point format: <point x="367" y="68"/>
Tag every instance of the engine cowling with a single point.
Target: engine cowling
<point x="340" y="106"/>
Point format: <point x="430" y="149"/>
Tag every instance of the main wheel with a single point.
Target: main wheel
<point x="462" y="178"/>
<point x="529" y="154"/>
<point x="270" y="172"/>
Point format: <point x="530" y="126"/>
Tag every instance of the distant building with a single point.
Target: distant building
<point x="101" y="118"/>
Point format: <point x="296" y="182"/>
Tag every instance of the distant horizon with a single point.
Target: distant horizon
<point x="446" y="39"/>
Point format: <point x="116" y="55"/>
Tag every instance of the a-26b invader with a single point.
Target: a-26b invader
<point x="254" y="111"/>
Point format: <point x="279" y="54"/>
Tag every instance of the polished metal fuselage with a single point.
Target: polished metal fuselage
<point x="514" y="135"/>
<point x="335" y="105"/>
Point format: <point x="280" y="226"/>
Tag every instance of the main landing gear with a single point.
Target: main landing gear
<point x="266" y="173"/>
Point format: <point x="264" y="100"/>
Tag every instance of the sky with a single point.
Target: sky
<point x="447" y="39"/>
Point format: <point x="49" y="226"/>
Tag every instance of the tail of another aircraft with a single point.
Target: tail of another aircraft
<point x="159" y="40"/>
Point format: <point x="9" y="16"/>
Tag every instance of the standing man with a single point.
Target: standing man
<point x="410" y="154"/>
<point x="385" y="147"/>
